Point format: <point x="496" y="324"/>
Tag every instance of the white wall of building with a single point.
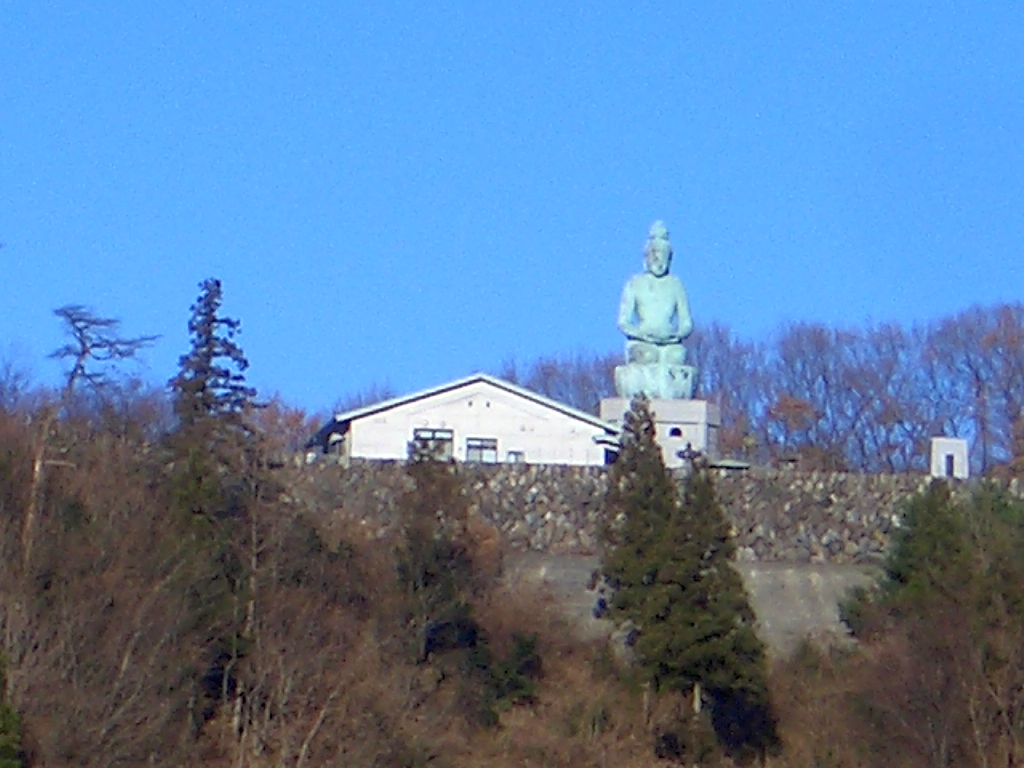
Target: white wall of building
<point x="539" y="433"/>
<point x="677" y="424"/>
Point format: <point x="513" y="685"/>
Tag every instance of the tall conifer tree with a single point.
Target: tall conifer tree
<point x="213" y="443"/>
<point x="670" y="560"/>
<point x="210" y="386"/>
<point x="216" y="485"/>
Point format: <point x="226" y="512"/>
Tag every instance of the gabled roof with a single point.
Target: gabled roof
<point x="367" y="410"/>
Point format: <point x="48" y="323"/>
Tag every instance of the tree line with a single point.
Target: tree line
<point x="164" y="600"/>
<point x="856" y="399"/>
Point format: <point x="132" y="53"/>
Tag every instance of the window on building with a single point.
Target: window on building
<point x="484" y="449"/>
<point x="515" y="457"/>
<point x="949" y="464"/>
<point x="675" y="432"/>
<point x="437" y="443"/>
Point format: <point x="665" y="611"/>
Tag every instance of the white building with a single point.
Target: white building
<point x="479" y="418"/>
<point x="949" y="458"/>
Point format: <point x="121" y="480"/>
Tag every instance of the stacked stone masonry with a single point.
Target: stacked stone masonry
<point x="778" y="515"/>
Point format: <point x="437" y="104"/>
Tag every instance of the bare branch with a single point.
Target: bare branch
<point x="93" y="338"/>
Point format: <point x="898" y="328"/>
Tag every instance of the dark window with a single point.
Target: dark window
<point x="436" y="443"/>
<point x="484" y="449"/>
<point x="675" y="432"/>
<point x="949" y="465"/>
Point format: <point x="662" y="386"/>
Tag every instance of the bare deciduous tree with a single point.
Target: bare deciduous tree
<point x="94" y="344"/>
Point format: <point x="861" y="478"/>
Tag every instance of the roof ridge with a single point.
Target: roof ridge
<point x="529" y="394"/>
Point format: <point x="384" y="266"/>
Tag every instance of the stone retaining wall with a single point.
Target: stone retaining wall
<point x="778" y="515"/>
<point x="814" y="517"/>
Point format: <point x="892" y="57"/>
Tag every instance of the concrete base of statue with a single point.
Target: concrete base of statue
<point x="656" y="381"/>
<point x="680" y="425"/>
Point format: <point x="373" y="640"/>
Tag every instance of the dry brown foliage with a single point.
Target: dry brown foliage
<point x="104" y="646"/>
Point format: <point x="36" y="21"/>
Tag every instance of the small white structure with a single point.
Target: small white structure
<point x="477" y="419"/>
<point x="679" y="425"/>
<point x="949" y="458"/>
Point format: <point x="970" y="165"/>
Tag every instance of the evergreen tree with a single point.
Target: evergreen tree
<point x="439" y="579"/>
<point x="435" y="574"/>
<point x="931" y="550"/>
<point x="670" y="560"/>
<point x="215" y="486"/>
<point x="213" y="443"/>
<point x="936" y="555"/>
<point x="210" y="386"/>
<point x="953" y="593"/>
<point x="964" y="553"/>
<point x="434" y="565"/>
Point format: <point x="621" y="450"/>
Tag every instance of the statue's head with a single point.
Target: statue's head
<point x="658" y="250"/>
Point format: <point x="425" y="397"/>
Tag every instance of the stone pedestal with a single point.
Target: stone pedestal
<point x="677" y="423"/>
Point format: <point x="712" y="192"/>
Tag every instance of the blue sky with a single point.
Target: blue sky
<point x="402" y="193"/>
